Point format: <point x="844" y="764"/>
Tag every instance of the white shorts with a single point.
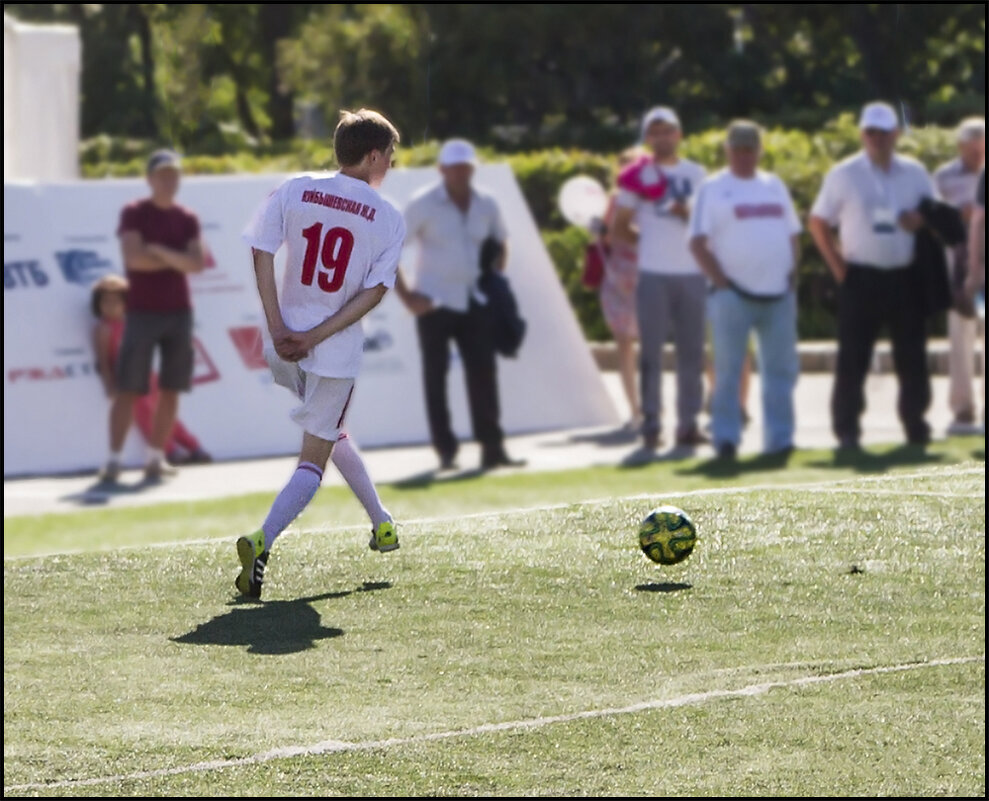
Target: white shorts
<point x="324" y="400"/>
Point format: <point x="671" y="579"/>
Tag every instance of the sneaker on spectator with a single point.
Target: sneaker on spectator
<point x="964" y="423"/>
<point x="199" y="456"/>
<point x="691" y="438"/>
<point x="727" y="451"/>
<point x="157" y="469"/>
<point x="110" y="474"/>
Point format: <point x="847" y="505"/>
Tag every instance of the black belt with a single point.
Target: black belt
<point x="753" y="296"/>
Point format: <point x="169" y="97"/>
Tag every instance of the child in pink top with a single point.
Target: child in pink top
<point x="108" y="303"/>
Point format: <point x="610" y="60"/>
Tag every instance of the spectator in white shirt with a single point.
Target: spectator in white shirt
<point x="449" y="222"/>
<point x="652" y="209"/>
<point x="872" y="199"/>
<point x="956" y="182"/>
<point x="744" y="234"/>
<point x="975" y="284"/>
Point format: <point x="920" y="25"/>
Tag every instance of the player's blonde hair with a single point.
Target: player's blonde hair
<point x="358" y="133"/>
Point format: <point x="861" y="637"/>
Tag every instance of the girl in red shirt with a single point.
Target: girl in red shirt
<point x="108" y="303"/>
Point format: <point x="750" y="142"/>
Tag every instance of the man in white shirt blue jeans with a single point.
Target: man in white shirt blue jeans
<point x="449" y="221"/>
<point x="872" y="199"/>
<point x="744" y="234"/>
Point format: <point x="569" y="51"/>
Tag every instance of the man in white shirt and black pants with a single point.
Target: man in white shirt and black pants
<point x="450" y="221"/>
<point x="872" y="199"/>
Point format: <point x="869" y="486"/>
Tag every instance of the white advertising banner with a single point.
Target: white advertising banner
<point x="60" y="238"/>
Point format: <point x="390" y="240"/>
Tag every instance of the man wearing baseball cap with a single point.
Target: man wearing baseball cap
<point x="449" y="222"/>
<point x="956" y="184"/>
<point x="652" y="206"/>
<point x="871" y="199"/>
<point x="160" y="247"/>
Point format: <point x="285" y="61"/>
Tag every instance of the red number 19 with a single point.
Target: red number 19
<point x="334" y="255"/>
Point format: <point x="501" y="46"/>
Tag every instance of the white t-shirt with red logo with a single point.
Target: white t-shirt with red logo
<point x="748" y="223"/>
<point x="341" y="236"/>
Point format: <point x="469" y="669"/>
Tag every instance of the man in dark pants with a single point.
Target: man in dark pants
<point x="872" y="199"/>
<point x="449" y="221"/>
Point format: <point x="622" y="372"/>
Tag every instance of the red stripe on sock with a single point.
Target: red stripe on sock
<point x="312" y="469"/>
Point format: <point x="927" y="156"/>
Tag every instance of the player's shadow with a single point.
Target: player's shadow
<point x="272" y="627"/>
<point x="662" y="587"/>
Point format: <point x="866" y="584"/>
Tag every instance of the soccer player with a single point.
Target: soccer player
<point x="343" y="242"/>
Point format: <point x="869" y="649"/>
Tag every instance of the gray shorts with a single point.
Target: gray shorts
<point x="171" y="334"/>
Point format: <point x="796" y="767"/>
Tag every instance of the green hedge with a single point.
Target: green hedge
<point x="799" y="158"/>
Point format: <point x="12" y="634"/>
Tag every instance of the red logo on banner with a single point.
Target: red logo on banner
<point x="208" y="260"/>
<point x="203" y="368"/>
<point x="247" y="340"/>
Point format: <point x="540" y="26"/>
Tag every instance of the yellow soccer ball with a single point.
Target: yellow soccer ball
<point x="667" y="535"/>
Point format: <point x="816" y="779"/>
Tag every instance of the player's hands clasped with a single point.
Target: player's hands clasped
<point x="291" y="345"/>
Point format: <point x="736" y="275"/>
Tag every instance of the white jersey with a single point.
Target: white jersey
<point x="341" y="237"/>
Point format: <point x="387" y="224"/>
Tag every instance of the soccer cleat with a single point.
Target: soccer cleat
<point x="384" y="537"/>
<point x="253" y="559"/>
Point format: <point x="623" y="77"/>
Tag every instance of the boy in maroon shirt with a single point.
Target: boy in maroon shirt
<point x="161" y="246"/>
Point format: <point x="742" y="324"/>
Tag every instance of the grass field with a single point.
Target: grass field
<point x="825" y="638"/>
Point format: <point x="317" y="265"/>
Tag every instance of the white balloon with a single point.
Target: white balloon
<point x="582" y="200"/>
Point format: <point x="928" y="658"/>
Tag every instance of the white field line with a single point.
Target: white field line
<point x="327" y="747"/>
<point x="827" y="487"/>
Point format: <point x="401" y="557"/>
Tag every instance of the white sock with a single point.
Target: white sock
<point x="294" y="497"/>
<point x="348" y="461"/>
<point x="114" y="457"/>
<point x="156" y="455"/>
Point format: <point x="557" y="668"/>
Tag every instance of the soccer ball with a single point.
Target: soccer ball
<point x="667" y="535"/>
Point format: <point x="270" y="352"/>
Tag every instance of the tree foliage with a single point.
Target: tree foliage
<point x="218" y="77"/>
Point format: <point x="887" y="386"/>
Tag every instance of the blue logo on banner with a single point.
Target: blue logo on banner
<point x="23" y="273"/>
<point x="82" y="266"/>
<point x="377" y="342"/>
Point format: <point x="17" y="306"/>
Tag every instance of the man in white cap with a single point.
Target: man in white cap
<point x="872" y="198"/>
<point x="450" y="221"/>
<point x="956" y="182"/>
<point x="651" y="211"/>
